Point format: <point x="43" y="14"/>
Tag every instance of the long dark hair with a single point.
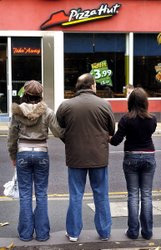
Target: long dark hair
<point x="30" y="99"/>
<point x="138" y="104"/>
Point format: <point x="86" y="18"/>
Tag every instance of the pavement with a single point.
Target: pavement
<point x="89" y="239"/>
<point x="4" y="126"/>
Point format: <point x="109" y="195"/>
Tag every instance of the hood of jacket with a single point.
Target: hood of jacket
<point x="28" y="113"/>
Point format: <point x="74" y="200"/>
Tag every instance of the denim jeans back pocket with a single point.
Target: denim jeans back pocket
<point x="43" y="162"/>
<point x="22" y="163"/>
<point x="149" y="165"/>
<point x="129" y="164"/>
<point x="139" y="162"/>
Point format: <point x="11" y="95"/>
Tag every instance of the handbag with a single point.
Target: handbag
<point x="11" y="187"/>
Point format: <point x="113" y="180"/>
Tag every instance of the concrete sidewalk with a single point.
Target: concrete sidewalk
<point x="88" y="241"/>
<point x="4" y="126"/>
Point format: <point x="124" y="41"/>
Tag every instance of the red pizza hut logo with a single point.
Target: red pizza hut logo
<point x="77" y="16"/>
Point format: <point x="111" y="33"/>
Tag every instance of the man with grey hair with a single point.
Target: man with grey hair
<point x="88" y="121"/>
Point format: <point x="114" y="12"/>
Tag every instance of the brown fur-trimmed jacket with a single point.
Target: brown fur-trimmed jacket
<point x="31" y="122"/>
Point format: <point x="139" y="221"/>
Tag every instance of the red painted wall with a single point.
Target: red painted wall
<point x="134" y="15"/>
<point x="120" y="106"/>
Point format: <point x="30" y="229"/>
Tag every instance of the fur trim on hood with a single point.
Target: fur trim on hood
<point x="28" y="113"/>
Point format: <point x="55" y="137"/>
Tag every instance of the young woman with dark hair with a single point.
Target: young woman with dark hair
<point x="27" y="145"/>
<point x="137" y="126"/>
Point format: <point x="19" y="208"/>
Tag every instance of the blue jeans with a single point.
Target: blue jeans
<point x="139" y="171"/>
<point x="33" y="167"/>
<point x="99" y="183"/>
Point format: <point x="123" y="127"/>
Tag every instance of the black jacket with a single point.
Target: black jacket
<point x="138" y="133"/>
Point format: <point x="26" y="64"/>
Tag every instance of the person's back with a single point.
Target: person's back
<point x="137" y="126"/>
<point x="138" y="132"/>
<point x="88" y="122"/>
<point x="27" y="146"/>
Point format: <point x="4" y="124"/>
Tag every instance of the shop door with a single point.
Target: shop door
<point x="3" y="79"/>
<point x="26" y="63"/>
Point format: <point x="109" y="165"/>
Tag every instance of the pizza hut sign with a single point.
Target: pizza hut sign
<point x="77" y="16"/>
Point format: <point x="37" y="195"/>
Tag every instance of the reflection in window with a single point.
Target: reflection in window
<point x="147" y="63"/>
<point x="84" y="50"/>
<point x="3" y="79"/>
<point x="26" y="63"/>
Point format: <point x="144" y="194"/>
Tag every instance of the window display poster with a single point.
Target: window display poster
<point x="102" y="73"/>
<point x="21" y="92"/>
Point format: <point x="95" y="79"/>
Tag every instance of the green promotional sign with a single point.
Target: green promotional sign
<point x="21" y="92"/>
<point x="101" y="73"/>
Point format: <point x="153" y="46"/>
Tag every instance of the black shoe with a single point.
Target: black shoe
<point x="132" y="237"/>
<point x="41" y="239"/>
<point x="23" y="239"/>
<point x="146" y="237"/>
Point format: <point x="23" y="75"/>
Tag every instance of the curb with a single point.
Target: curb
<point x="88" y="241"/>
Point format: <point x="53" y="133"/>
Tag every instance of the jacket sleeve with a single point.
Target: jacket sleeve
<point x="13" y="138"/>
<point x="155" y="123"/>
<point x="111" y="121"/>
<point x="60" y="116"/>
<point x="120" y="133"/>
<point x="56" y="130"/>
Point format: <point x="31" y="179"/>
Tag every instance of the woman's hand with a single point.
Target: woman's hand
<point x="14" y="163"/>
<point x="109" y="138"/>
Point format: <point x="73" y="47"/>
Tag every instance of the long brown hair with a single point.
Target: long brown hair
<point x="138" y="104"/>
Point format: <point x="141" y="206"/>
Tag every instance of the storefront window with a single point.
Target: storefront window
<point x="3" y="74"/>
<point x="26" y="63"/>
<point x="147" y="63"/>
<point x="103" y="55"/>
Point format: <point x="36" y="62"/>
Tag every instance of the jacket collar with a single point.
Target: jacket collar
<point x="86" y="91"/>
